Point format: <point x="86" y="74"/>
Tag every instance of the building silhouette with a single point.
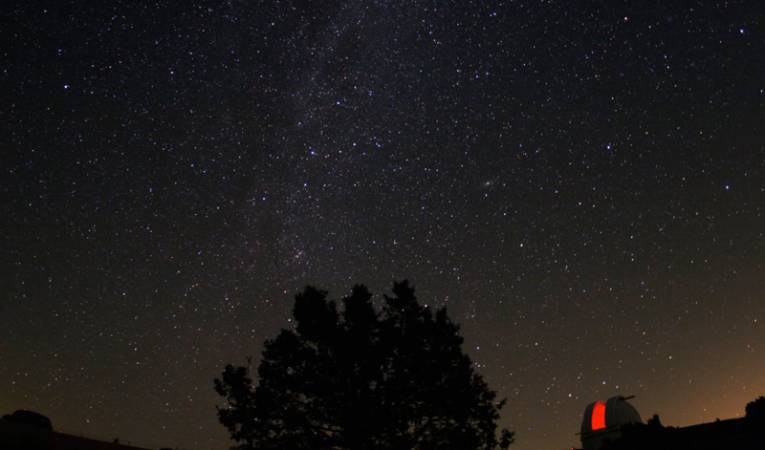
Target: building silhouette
<point x="27" y="430"/>
<point x="616" y="425"/>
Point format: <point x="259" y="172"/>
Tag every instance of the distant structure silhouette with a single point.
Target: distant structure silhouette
<point x="616" y="425"/>
<point x="29" y="430"/>
<point x="31" y="418"/>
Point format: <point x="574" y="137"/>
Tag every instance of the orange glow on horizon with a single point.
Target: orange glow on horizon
<point x="598" y="416"/>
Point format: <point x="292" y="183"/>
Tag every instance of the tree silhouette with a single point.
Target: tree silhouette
<point x="362" y="378"/>
<point x="756" y="408"/>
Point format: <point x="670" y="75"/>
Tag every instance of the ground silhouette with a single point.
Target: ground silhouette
<point x="360" y="377"/>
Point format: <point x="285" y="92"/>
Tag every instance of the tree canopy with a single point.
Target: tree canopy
<point x="360" y="377"/>
<point x="756" y="408"/>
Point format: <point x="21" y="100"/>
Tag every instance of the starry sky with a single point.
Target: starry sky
<point x="582" y="184"/>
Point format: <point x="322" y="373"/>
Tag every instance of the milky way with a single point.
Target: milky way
<point x="581" y="183"/>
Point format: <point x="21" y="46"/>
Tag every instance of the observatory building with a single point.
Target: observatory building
<point x="616" y="425"/>
<point x="29" y="430"/>
<point x="603" y="421"/>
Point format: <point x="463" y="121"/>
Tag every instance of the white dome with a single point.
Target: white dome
<point x="614" y="413"/>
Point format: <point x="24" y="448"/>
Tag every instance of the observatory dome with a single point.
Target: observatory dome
<point x="612" y="414"/>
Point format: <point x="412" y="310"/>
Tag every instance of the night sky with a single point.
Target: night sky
<point x="582" y="183"/>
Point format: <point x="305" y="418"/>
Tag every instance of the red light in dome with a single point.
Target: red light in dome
<point x="598" y="416"/>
